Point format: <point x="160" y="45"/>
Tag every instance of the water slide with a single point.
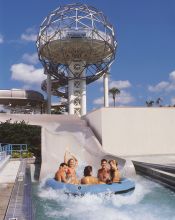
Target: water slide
<point x="75" y="136"/>
<point x="61" y="132"/>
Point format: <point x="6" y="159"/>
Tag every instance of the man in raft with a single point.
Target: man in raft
<point x="88" y="178"/>
<point x="61" y="174"/>
<point x="104" y="173"/>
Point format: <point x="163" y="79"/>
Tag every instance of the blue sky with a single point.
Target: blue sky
<point x="144" y="67"/>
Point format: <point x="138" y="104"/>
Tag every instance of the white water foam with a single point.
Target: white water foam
<point x="57" y="205"/>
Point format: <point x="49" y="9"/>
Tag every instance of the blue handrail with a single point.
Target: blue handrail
<point x="10" y="148"/>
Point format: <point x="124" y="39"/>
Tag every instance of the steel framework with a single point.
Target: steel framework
<point x="76" y="45"/>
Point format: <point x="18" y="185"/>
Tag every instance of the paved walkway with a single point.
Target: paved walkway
<point x="7" y="179"/>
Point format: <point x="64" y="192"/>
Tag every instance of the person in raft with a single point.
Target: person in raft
<point x="104" y="173"/>
<point x="61" y="174"/>
<point x="72" y="165"/>
<point x="114" y="171"/>
<point x="88" y="178"/>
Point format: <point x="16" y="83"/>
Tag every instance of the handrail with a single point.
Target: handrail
<point x="10" y="148"/>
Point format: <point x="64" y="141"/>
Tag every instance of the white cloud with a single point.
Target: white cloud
<point x="29" y="35"/>
<point x="1" y="39"/>
<point x="122" y="98"/>
<point x="171" y="87"/>
<point x="120" y="84"/>
<point x="27" y="73"/>
<point x="159" y="87"/>
<point x="125" y="98"/>
<point x="30" y="58"/>
<point x="99" y="101"/>
<point x="172" y="76"/>
<point x="164" y="85"/>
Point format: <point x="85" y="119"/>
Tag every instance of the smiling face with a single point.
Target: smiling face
<point x="71" y="163"/>
<point x="104" y="164"/>
<point x="65" y="168"/>
<point x="111" y="164"/>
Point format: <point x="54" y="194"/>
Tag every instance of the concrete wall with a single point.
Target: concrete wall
<point x="135" y="131"/>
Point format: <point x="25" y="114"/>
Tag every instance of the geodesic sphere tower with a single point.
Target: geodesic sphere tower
<point x="76" y="44"/>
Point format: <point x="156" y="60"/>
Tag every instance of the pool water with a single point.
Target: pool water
<point x="149" y="201"/>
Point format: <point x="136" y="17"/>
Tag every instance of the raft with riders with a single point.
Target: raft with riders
<point x="107" y="174"/>
<point x="108" y="178"/>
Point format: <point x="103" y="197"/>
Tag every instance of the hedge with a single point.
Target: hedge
<point x="20" y="132"/>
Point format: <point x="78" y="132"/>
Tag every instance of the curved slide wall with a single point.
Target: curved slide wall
<point x="79" y="139"/>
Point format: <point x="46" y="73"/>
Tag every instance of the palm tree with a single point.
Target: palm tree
<point x="149" y="103"/>
<point x="158" y="101"/>
<point x="114" y="91"/>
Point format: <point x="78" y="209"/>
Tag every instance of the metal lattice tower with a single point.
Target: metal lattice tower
<point x="76" y="45"/>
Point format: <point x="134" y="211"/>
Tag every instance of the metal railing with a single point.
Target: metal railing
<point x="9" y="149"/>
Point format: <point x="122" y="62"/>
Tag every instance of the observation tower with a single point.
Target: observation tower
<point x="76" y="45"/>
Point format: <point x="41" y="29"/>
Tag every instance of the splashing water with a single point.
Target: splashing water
<point x="148" y="201"/>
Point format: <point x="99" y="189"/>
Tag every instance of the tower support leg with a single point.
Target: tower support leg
<point x="83" y="95"/>
<point x="48" y="93"/>
<point x="71" y="94"/>
<point x="106" y="89"/>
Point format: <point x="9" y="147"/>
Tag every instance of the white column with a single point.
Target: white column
<point x="48" y="93"/>
<point x="83" y="95"/>
<point x="71" y="94"/>
<point x="106" y="89"/>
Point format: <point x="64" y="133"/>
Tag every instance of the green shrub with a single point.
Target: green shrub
<point x="21" y="133"/>
<point x="16" y="155"/>
<point x="27" y="155"/>
<point x="22" y="155"/>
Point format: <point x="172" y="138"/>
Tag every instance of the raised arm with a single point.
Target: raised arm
<point x="74" y="158"/>
<point x="66" y="157"/>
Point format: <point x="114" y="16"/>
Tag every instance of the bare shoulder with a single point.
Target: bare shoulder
<point x="83" y="180"/>
<point x="95" y="180"/>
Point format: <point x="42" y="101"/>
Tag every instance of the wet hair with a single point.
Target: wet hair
<point x="68" y="163"/>
<point x="87" y="171"/>
<point x="103" y="160"/>
<point x="63" y="164"/>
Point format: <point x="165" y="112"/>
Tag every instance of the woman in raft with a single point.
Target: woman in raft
<point x="72" y="166"/>
<point x="114" y="171"/>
